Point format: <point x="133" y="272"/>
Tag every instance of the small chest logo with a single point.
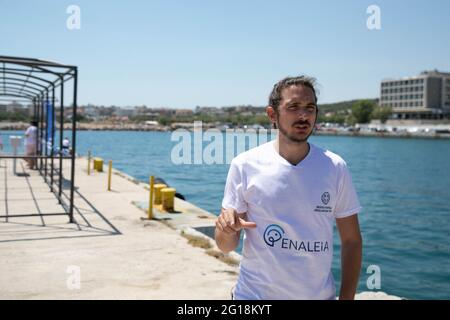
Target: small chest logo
<point x="325" y="198"/>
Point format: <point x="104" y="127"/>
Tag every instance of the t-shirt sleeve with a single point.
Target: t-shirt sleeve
<point x="233" y="194"/>
<point x="347" y="202"/>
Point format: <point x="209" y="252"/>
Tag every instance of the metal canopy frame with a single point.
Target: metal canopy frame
<point x="40" y="82"/>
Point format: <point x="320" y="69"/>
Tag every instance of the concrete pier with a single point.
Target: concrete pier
<point x="112" y="250"/>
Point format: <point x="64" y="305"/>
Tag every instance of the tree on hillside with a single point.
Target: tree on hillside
<point x="262" y="119"/>
<point x="163" y="120"/>
<point x="362" y="111"/>
<point x="382" y="112"/>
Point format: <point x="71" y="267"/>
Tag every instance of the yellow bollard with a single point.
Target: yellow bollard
<point x="89" y="163"/>
<point x="150" y="202"/>
<point x="98" y="164"/>
<point x="168" y="196"/>
<point x="158" y="187"/>
<point x="109" y="175"/>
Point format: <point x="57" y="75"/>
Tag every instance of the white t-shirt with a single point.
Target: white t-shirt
<point x="289" y="254"/>
<point x="32" y="136"/>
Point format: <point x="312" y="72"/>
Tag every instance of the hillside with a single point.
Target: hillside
<point x="339" y="106"/>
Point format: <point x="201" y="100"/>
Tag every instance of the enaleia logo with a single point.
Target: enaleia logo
<point x="272" y="234"/>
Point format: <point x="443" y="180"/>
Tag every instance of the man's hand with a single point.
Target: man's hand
<point x="228" y="227"/>
<point x="229" y="222"/>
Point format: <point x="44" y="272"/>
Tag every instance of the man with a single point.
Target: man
<point x="286" y="195"/>
<point x="66" y="151"/>
<point x="31" y="144"/>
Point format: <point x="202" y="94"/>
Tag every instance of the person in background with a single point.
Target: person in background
<point x="66" y="151"/>
<point x="31" y="144"/>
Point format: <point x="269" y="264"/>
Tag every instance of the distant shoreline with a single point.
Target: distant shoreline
<point x="405" y="135"/>
<point x="18" y="126"/>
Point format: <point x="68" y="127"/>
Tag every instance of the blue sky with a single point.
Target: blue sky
<point x="216" y="53"/>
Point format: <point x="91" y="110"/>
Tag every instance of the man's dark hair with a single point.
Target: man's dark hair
<point x="275" y="95"/>
<point x="34" y="123"/>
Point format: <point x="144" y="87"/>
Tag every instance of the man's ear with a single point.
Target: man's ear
<point x="271" y="113"/>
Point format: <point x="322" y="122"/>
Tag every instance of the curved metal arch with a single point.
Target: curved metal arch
<point x="23" y="87"/>
<point x="17" y="95"/>
<point x="36" y="65"/>
<point x="15" y="90"/>
<point x="30" y="76"/>
<point x="28" y="81"/>
<point x="36" y="61"/>
<point x="59" y="78"/>
<point x="32" y="66"/>
<point x="69" y="71"/>
<point x="17" y="86"/>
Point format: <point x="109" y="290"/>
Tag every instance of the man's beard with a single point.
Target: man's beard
<point x="292" y="137"/>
